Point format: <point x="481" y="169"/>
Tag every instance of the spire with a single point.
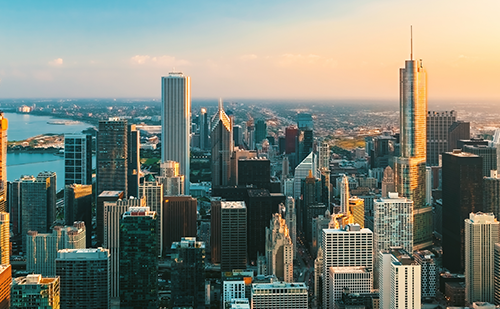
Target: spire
<point x="411" y="42"/>
<point x="310" y="174"/>
<point x="221" y="107"/>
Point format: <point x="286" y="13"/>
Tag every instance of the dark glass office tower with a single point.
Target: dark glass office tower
<point x="77" y="159"/>
<point x="260" y="131"/>
<point x="134" y="164"/>
<point x="221" y="138"/>
<point x="112" y="156"/>
<point x="438" y="125"/>
<point x="188" y="273"/>
<point x="462" y="194"/>
<point x="233" y="236"/>
<point x="138" y="259"/>
<point x="78" y="207"/>
<point x="179" y="219"/>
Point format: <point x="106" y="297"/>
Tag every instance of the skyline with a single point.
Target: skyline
<point x="322" y="50"/>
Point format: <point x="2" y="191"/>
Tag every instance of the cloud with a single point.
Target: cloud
<point x="287" y="60"/>
<point x="56" y="62"/>
<point x="164" y="60"/>
<point x="248" y="57"/>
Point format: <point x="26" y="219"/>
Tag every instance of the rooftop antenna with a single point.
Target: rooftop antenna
<point x="411" y="42"/>
<point x="220" y="104"/>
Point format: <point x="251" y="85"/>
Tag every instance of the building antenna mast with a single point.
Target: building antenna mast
<point x="411" y="43"/>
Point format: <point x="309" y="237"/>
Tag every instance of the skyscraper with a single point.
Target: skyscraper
<point x="410" y="165"/>
<point x="489" y="155"/>
<point x="438" y="125"/>
<point x="4" y="238"/>
<point x="5" y="283"/>
<point x="78" y="207"/>
<point x="176" y="121"/>
<point x="179" y="219"/>
<point x="203" y="127"/>
<point x="4" y="124"/>
<point x="153" y="192"/>
<point x="112" y="156"/>
<point x="35" y="291"/>
<point x="222" y="147"/>
<point x="324" y="156"/>
<point x="173" y="182"/>
<point x="388" y="182"/>
<point x="233" y="224"/>
<point x="84" y="276"/>
<point x="279" y="249"/>
<point x="77" y="159"/>
<point x="481" y="235"/>
<point x="260" y="131"/>
<point x="458" y="130"/>
<point x="133" y="160"/>
<point x="462" y="194"/>
<point x="277" y="295"/>
<point x="491" y="195"/>
<point x="138" y="259"/>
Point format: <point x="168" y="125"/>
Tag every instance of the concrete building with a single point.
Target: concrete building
<point x="388" y="184"/>
<point x="42" y="248"/>
<point x="138" y="259"/>
<point x="399" y="280"/>
<point x="233" y="225"/>
<point x="337" y="247"/>
<point x="84" y="277"/>
<point x="170" y="177"/>
<point x="356" y="279"/>
<point x="4" y="238"/>
<point x="409" y="168"/>
<point x="429" y="273"/>
<point x="153" y="192"/>
<point x="279" y="295"/>
<point x="279" y="249"/>
<point x="78" y="207"/>
<point x="438" y="125"/>
<point x="176" y="122"/>
<point x="35" y="291"/>
<point x="113" y="212"/>
<point x="233" y="290"/>
<point x="77" y="159"/>
<point x="459" y="130"/>
<point x="481" y="235"/>
<point x="5" y="283"/>
<point x="393" y="224"/>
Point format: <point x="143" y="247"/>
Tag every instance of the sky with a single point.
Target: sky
<point x="318" y="49"/>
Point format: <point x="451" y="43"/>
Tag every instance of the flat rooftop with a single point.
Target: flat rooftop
<point x="234" y="205"/>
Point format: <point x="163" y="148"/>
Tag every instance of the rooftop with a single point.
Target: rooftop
<point x="110" y="194"/>
<point x="83" y="254"/>
<point x="239" y="205"/>
<point x="279" y="285"/>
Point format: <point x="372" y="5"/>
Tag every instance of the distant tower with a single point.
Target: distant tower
<point x="260" y="131"/>
<point x="176" y="121"/>
<point x="388" y="182"/>
<point x="77" y="159"/>
<point x="133" y="164"/>
<point x="78" y="207"/>
<point x="4" y="124"/>
<point x="344" y="195"/>
<point x="438" y="124"/>
<point x="481" y="235"/>
<point x="204" y="131"/>
<point x="410" y="165"/>
<point x="233" y="224"/>
<point x="324" y="156"/>
<point x="222" y="147"/>
<point x="138" y="259"/>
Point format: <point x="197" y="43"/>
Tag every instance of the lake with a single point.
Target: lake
<point x="23" y="126"/>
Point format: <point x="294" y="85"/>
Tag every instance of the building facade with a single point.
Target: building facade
<point x="153" y="192"/>
<point x="356" y="279"/>
<point x="176" y="122"/>
<point x="77" y="159"/>
<point x="78" y="207"/>
<point x="179" y="219"/>
<point x="221" y="138"/>
<point x="438" y="125"/>
<point x="279" y="249"/>
<point x="5" y="283"/>
<point x="233" y="236"/>
<point x="35" y="291"/>
<point x="279" y="295"/>
<point x="4" y="238"/>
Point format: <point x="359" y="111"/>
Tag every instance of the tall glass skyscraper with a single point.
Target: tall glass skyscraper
<point x="176" y="121"/>
<point x="221" y="138"/>
<point x="410" y="165"/>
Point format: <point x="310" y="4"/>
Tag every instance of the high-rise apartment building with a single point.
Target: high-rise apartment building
<point x="438" y="125"/>
<point x="35" y="291"/>
<point x="4" y="124"/>
<point x="38" y="203"/>
<point x="5" y="283"/>
<point x="42" y="248"/>
<point x="138" y="259"/>
<point x="176" y="122"/>
<point x="179" y="219"/>
<point x="481" y="235"/>
<point x="153" y="192"/>
<point x="291" y="221"/>
<point x="113" y="212"/>
<point x="277" y="295"/>
<point x="462" y="174"/>
<point x="112" y="156"/>
<point x="429" y="273"/>
<point x="188" y="273"/>
<point x="221" y="138"/>
<point x="489" y="155"/>
<point x="410" y="165"/>
<point x="78" y="207"/>
<point x="399" y="280"/>
<point x="233" y="224"/>
<point x="4" y="238"/>
<point x="77" y="159"/>
<point x="393" y="224"/>
<point x="347" y="247"/>
<point x="279" y="249"/>
<point x="355" y="279"/>
<point x="84" y="277"/>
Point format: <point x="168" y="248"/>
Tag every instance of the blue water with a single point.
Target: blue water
<point x="23" y="126"/>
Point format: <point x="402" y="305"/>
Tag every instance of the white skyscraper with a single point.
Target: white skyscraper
<point x="176" y="121"/>
<point x="356" y="279"/>
<point x="399" y="281"/>
<point x="279" y="249"/>
<point x="348" y="247"/>
<point x="481" y="234"/>
<point x="344" y="194"/>
<point x="393" y="223"/>
<point x="324" y="156"/>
